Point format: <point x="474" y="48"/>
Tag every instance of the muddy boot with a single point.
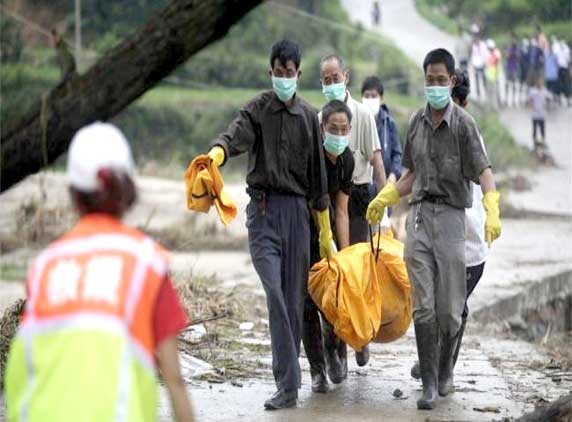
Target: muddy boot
<point x="334" y="365"/>
<point x="447" y="363"/>
<point x="427" y="339"/>
<point x="416" y="371"/>
<point x="362" y="358"/>
<point x="313" y="345"/>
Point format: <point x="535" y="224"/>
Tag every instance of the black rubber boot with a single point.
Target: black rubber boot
<point x="427" y="339"/>
<point x="447" y="359"/>
<point x="362" y="358"/>
<point x="336" y="361"/>
<point x="313" y="345"/>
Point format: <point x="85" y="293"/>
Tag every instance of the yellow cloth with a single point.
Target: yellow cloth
<point x="363" y="301"/>
<point x="205" y="187"/>
<point x="492" y="223"/>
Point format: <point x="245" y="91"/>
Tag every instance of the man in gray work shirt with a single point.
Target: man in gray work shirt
<point x="442" y="154"/>
<point x="286" y="173"/>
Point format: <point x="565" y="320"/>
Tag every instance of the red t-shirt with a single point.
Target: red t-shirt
<point x="170" y="317"/>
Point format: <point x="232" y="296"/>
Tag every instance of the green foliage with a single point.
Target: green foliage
<point x="10" y="39"/>
<point x="502" y="149"/>
<point x="499" y="16"/>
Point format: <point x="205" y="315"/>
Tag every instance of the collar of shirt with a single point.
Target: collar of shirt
<point x="351" y="103"/>
<point x="276" y="105"/>
<point x="446" y="115"/>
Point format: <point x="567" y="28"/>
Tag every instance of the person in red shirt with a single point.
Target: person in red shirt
<point x="102" y="276"/>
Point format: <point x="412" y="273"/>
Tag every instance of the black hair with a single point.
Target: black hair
<point x="462" y="87"/>
<point x="337" y="57"/>
<point x="440" y="55"/>
<point x="372" y="82"/>
<point x="284" y="51"/>
<point x="335" y="106"/>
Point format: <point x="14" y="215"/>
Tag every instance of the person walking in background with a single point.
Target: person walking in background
<point x="372" y="93"/>
<point x="479" y="56"/>
<point x="375" y="13"/>
<point x="551" y="72"/>
<point x="286" y="177"/>
<point x="492" y="74"/>
<point x="524" y="66"/>
<point x="536" y="63"/>
<point x="538" y="97"/>
<point x="443" y="153"/>
<point x="564" y="85"/>
<point x="463" y="48"/>
<point x="476" y="250"/>
<point x="368" y="161"/>
<point x="335" y="128"/>
<point x="101" y="313"/>
<point x="512" y="55"/>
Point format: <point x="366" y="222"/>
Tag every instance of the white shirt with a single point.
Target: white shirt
<point x="364" y="140"/>
<point x="479" y="54"/>
<point x="563" y="56"/>
<point x="476" y="249"/>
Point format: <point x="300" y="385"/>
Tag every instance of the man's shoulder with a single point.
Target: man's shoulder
<point x="260" y="100"/>
<point x="307" y="107"/>
<point x="460" y="116"/>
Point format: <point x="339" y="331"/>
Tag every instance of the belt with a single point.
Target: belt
<point x="435" y="199"/>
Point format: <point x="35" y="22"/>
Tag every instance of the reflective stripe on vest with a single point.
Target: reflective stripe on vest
<point x="42" y="288"/>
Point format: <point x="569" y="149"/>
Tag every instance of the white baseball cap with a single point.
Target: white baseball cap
<point x="95" y="147"/>
<point x="491" y="43"/>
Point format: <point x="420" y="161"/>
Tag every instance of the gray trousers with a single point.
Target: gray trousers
<point x="279" y="243"/>
<point x="435" y="260"/>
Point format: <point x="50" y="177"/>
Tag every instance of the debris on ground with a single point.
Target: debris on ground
<point x="487" y="409"/>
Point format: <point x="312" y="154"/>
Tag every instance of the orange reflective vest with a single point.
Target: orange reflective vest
<point x="84" y="350"/>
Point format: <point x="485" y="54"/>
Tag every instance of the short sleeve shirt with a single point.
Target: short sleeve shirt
<point x="444" y="159"/>
<point x="169" y="317"/>
<point x="340" y="174"/>
<point x="364" y="141"/>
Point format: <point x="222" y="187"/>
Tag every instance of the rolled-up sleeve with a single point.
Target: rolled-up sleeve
<point x="475" y="159"/>
<point x="371" y="137"/>
<point x="319" y="198"/>
<point x="240" y="135"/>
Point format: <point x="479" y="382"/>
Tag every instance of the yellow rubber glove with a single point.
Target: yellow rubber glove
<point x="217" y="155"/>
<point x="325" y="239"/>
<point x="492" y="223"/>
<point x="387" y="197"/>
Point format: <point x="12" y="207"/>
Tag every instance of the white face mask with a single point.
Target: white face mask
<point x="372" y="103"/>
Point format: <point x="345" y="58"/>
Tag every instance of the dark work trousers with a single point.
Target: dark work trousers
<point x="435" y="259"/>
<point x="279" y="243"/>
<point x="537" y="123"/>
<point x="474" y="274"/>
<point x="312" y="334"/>
<point x="357" y="208"/>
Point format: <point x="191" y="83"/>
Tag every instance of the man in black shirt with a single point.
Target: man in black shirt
<point x="335" y="127"/>
<point x="286" y="171"/>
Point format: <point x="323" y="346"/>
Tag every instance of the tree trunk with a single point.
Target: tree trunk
<point x="556" y="411"/>
<point x="168" y="39"/>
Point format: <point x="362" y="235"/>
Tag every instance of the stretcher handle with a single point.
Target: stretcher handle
<point x="377" y="249"/>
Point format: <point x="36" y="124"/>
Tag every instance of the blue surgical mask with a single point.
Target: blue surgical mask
<point x="334" y="91"/>
<point x="437" y="96"/>
<point x="284" y="87"/>
<point x="336" y="144"/>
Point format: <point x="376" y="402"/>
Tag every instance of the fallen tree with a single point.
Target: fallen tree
<point x="30" y="142"/>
